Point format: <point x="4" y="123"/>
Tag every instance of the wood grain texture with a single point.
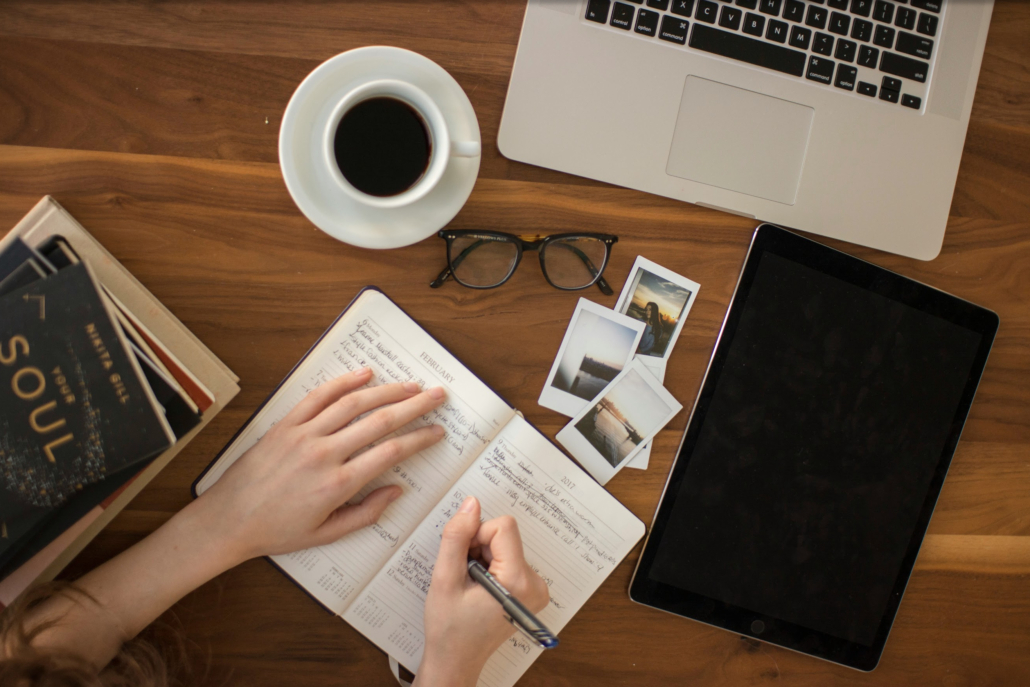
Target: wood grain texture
<point x="156" y="125"/>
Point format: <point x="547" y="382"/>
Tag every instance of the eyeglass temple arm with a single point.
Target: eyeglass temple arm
<point x="601" y="283"/>
<point x="447" y="273"/>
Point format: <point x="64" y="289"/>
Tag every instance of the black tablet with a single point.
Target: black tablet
<point x="815" y="451"/>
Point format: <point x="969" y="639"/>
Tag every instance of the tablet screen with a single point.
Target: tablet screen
<point x="816" y="451"/>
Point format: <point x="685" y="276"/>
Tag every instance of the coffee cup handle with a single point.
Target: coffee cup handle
<point x="465" y="148"/>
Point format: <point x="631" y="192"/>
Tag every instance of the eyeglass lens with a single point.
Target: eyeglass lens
<point x="573" y="263"/>
<point x="482" y="260"/>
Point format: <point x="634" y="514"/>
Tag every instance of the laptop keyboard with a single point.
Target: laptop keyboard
<point x="875" y="48"/>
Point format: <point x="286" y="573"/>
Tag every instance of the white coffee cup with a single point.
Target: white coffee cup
<point x="441" y="146"/>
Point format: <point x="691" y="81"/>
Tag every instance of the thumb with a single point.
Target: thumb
<point x="347" y="519"/>
<point x="451" y="569"/>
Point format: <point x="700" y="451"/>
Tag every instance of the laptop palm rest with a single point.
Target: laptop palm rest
<point x="740" y="140"/>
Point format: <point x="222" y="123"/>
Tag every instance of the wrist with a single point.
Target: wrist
<point x="206" y="529"/>
<point x="432" y="673"/>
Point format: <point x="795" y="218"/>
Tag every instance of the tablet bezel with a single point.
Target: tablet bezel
<point x="772" y="239"/>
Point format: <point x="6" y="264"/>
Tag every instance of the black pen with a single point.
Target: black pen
<point x="518" y="615"/>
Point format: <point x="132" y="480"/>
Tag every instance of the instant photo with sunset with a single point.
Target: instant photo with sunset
<point x="659" y="298"/>
<point x="619" y="422"/>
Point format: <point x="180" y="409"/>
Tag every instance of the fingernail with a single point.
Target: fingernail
<point x="437" y="392"/>
<point x="468" y="504"/>
<point x="394" y="495"/>
<point x="438" y="431"/>
<point x="410" y="387"/>
<point x="363" y="372"/>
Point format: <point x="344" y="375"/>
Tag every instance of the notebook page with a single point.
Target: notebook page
<point x="377" y="334"/>
<point x="574" y="534"/>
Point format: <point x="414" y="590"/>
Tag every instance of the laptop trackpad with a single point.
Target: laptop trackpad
<point x="740" y="140"/>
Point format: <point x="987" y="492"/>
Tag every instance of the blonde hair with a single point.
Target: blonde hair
<point x="140" y="663"/>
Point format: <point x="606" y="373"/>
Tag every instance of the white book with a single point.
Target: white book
<point x="574" y="532"/>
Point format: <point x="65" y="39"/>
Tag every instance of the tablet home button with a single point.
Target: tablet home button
<point x="757" y="627"/>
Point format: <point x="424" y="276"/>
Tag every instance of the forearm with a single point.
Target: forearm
<point x="133" y="589"/>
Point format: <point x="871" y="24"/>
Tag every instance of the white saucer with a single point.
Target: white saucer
<point x="304" y="165"/>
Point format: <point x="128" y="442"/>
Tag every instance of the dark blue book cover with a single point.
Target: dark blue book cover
<point x="73" y="404"/>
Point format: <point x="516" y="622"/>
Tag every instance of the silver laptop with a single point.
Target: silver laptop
<point x="844" y="118"/>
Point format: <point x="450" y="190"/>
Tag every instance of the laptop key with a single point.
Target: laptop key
<point x="770" y="7"/>
<point x="838" y="4"/>
<point x="845" y="77"/>
<point x="658" y="4"/>
<point x="749" y="4"/>
<point x="823" y="44"/>
<point x="840" y="23"/>
<point x="891" y="84"/>
<point x="777" y="31"/>
<point x="867" y="89"/>
<point x="597" y="10"/>
<point x="800" y="38"/>
<point x="820" y="69"/>
<point x="846" y="50"/>
<point x="674" y="29"/>
<point x="754" y="24"/>
<point x="906" y="18"/>
<point x="750" y="50"/>
<point x="914" y="45"/>
<point x="622" y="16"/>
<point x="730" y="18"/>
<point x="816" y="17"/>
<point x="888" y="95"/>
<point x="932" y="5"/>
<point x="794" y="11"/>
<point x="927" y="24"/>
<point x="706" y="11"/>
<point x="861" y="7"/>
<point x="911" y="101"/>
<point x="867" y="57"/>
<point x="882" y="11"/>
<point x="647" y="22"/>
<point x="862" y="30"/>
<point x="884" y="36"/>
<point x="905" y="67"/>
<point x="684" y="8"/>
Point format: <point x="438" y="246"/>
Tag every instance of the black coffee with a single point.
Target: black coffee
<point x="382" y="146"/>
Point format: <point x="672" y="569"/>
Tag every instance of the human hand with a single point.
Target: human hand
<point x="464" y="624"/>
<point x="289" y="491"/>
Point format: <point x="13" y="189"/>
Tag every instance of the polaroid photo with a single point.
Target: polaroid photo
<point x="619" y="422"/>
<point x="596" y="348"/>
<point x="661" y="299"/>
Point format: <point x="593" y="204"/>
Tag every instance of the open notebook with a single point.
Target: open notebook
<point x="574" y="532"/>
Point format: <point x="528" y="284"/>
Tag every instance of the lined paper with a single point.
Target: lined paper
<point x="375" y="333"/>
<point x="574" y="534"/>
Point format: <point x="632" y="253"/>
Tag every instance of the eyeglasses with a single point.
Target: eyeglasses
<point x="486" y="259"/>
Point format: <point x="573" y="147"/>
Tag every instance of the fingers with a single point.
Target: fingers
<point x="500" y="540"/>
<point x="379" y="459"/>
<point x="500" y="545"/>
<point x="342" y="411"/>
<point x="451" y="569"/>
<point x="347" y="519"/>
<point x="318" y="399"/>
<point x="386" y="420"/>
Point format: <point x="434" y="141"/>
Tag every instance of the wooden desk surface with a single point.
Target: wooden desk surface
<point x="156" y="125"/>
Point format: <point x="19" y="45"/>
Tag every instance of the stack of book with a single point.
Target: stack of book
<point x="100" y="386"/>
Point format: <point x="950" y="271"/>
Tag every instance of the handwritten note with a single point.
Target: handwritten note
<point x="376" y="334"/>
<point x="574" y="534"/>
